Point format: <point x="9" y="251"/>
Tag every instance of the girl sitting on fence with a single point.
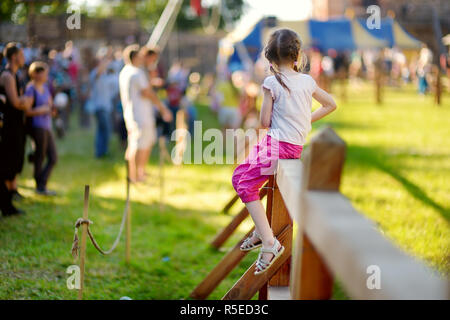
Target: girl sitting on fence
<point x="286" y="111"/>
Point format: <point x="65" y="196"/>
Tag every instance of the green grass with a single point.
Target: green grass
<point x="397" y="173"/>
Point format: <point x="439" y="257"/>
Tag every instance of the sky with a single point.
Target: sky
<point x="284" y="9"/>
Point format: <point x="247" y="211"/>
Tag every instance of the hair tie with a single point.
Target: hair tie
<point x="295" y="63"/>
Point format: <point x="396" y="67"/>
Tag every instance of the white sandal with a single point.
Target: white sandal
<point x="263" y="265"/>
<point x="248" y="245"/>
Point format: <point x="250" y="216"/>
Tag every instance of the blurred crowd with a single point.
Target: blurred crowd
<point x="41" y="89"/>
<point x="236" y="94"/>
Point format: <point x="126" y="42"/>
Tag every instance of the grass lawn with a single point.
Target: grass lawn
<point x="397" y="172"/>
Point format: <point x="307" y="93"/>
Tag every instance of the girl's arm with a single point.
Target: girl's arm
<point x="327" y="102"/>
<point x="266" y="109"/>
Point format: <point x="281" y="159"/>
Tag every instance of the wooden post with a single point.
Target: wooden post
<point x="161" y="172"/>
<point x="379" y="78"/>
<point x="128" y="239"/>
<point x="181" y="137"/>
<point x="323" y="167"/>
<point x="269" y="187"/>
<point x="84" y="227"/>
<point x="280" y="219"/>
<point x="438" y="85"/>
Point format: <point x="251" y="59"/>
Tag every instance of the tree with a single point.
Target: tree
<point x="147" y="11"/>
<point x="16" y="11"/>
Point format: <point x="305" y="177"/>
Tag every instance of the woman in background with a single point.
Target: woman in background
<point x="41" y="126"/>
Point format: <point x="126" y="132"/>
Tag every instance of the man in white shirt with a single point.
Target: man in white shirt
<point x="137" y="98"/>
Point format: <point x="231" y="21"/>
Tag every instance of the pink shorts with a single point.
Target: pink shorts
<point x="261" y="163"/>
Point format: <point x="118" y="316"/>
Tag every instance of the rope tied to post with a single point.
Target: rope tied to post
<point x="81" y="221"/>
<point x="75" y="246"/>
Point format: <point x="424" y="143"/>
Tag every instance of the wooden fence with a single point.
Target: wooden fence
<point x="324" y="238"/>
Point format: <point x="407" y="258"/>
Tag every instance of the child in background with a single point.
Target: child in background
<point x="174" y="97"/>
<point x="286" y="111"/>
<point x="41" y="126"/>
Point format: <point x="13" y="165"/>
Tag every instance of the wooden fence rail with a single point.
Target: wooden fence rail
<point x="325" y="237"/>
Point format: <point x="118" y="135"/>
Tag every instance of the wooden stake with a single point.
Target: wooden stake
<point x="84" y="227"/>
<point x="438" y="87"/>
<point x="128" y="238"/>
<point x="280" y="219"/>
<point x="220" y="271"/>
<point x="263" y="293"/>
<point x="161" y="173"/>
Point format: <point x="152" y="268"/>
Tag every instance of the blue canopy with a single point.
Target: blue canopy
<point x="392" y="33"/>
<point x="333" y="34"/>
<point x="384" y="32"/>
<point x="253" y="44"/>
<point x="339" y="34"/>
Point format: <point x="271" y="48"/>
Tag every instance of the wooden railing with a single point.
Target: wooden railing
<point x="324" y="237"/>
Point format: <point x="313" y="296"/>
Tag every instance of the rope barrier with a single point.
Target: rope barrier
<point x="81" y="221"/>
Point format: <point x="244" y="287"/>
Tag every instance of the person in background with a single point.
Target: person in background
<point x="12" y="143"/>
<point x="137" y="96"/>
<point x="41" y="126"/>
<point x="424" y="69"/>
<point x="102" y="95"/>
<point x="174" y="97"/>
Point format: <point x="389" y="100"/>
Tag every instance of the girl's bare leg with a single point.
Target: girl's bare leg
<point x="258" y="214"/>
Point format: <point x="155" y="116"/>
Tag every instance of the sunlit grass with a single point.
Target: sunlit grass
<point x="397" y="173"/>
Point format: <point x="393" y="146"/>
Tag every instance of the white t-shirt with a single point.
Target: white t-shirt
<point x="291" y="115"/>
<point x="136" y="108"/>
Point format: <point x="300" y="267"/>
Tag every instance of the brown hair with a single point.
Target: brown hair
<point x="36" y="67"/>
<point x="284" y="46"/>
<point x="11" y="49"/>
<point x="149" y="51"/>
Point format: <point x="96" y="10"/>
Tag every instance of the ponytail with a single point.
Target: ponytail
<point x="278" y="75"/>
<point x="301" y="62"/>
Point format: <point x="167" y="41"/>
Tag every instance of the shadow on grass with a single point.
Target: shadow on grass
<point x="380" y="159"/>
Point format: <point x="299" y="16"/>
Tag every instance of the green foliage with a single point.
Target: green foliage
<point x="147" y="11"/>
<point x="16" y="12"/>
